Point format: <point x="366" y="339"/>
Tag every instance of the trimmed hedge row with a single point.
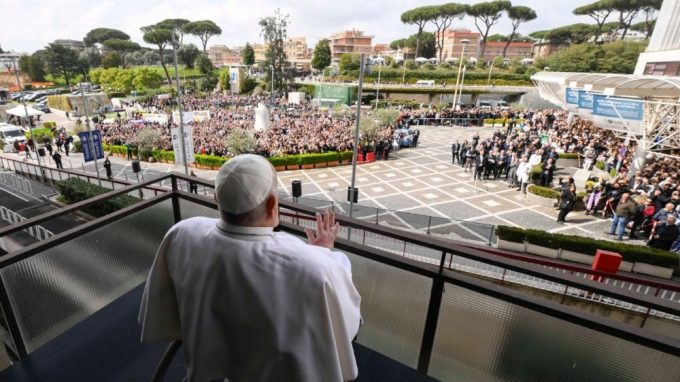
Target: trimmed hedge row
<point x="567" y="155"/>
<point x="59" y="102"/>
<point x="214" y="161"/>
<point x="588" y="246"/>
<point x="75" y="190"/>
<point x="545" y="192"/>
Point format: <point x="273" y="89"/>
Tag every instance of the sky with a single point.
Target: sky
<point x="29" y="25"/>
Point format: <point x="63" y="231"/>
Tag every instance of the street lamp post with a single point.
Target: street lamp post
<point x="377" y="88"/>
<point x="462" y="81"/>
<point x="28" y="121"/>
<point x="179" y="106"/>
<point x="465" y="43"/>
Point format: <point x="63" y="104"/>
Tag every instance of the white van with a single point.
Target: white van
<point x="425" y="83"/>
<point x="10" y="134"/>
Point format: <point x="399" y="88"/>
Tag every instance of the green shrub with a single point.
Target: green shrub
<point x="588" y="246"/>
<point x="77" y="146"/>
<point x="536" y="172"/>
<point x="613" y="173"/>
<point x="543" y="191"/>
<point x="40" y="134"/>
<point x="567" y="155"/>
<point x="346" y="156"/>
<point x="280" y="161"/>
<point x="74" y="190"/>
<point x="599" y="165"/>
<point x="116" y="94"/>
<point x="211" y="161"/>
<point x="49" y="125"/>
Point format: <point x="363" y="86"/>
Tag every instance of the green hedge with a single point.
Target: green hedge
<point x="216" y="161"/>
<point x="40" y="134"/>
<point x="567" y="155"/>
<point x="588" y="246"/>
<point x="599" y="165"/>
<point x="59" y="102"/>
<point x="75" y="190"/>
<point x="545" y="192"/>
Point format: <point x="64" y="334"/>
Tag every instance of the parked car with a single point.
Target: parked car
<point x="10" y="134"/>
<point x="35" y="96"/>
<point x="42" y="106"/>
<point x="41" y="99"/>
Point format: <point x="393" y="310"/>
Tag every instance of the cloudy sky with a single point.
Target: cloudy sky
<point x="29" y="25"/>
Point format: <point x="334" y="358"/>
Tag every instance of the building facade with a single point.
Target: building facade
<point x="662" y="56"/>
<point x="76" y="45"/>
<point x="515" y="50"/>
<point x="350" y="42"/>
<point x="221" y="55"/>
<point x="454" y="42"/>
<point x="544" y="48"/>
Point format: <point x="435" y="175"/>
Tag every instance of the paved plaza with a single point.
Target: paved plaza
<point x="418" y="182"/>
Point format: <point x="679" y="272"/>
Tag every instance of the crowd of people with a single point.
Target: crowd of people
<point x="646" y="203"/>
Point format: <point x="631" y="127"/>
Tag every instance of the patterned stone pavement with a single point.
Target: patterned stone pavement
<point x="416" y="189"/>
<point x="423" y="181"/>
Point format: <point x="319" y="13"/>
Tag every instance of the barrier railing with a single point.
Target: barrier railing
<point x="415" y="312"/>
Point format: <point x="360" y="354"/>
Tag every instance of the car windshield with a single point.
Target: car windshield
<point x="12" y="133"/>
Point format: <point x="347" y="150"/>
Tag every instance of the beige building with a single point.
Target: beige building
<point x="76" y="45"/>
<point x="515" y="50"/>
<point x="350" y="42"/>
<point x="544" y="48"/>
<point x="221" y="55"/>
<point x="454" y="41"/>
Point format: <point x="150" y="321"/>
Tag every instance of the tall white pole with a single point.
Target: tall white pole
<point x="462" y="81"/>
<point x="488" y="80"/>
<point x="179" y="105"/>
<point x="355" y="155"/>
<point x="377" y="88"/>
<point x="460" y="66"/>
<point x="28" y="121"/>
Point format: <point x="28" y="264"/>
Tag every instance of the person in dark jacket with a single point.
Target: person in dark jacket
<point x="547" y="173"/>
<point x="664" y="234"/>
<point x="107" y="167"/>
<point x="625" y="211"/>
<point x="567" y="201"/>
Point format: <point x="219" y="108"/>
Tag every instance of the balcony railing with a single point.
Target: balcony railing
<point x="418" y="308"/>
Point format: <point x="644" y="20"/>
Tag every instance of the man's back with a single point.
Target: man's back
<point x="253" y="305"/>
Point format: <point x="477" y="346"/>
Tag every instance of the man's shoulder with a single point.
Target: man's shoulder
<point x="193" y="224"/>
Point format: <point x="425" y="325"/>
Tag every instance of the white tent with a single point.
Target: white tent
<point x="451" y="59"/>
<point x="20" y="112"/>
<point x="421" y="59"/>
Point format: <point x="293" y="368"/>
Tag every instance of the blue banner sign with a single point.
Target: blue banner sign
<point x="585" y="100"/>
<point x="96" y="142"/>
<point x="571" y="96"/>
<point x="618" y="108"/>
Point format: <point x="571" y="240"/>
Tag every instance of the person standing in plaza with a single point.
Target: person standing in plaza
<point x="523" y="174"/>
<point x="625" y="211"/>
<point x="57" y="160"/>
<point x="107" y="167"/>
<point x="193" y="186"/>
<point x="567" y="201"/>
<point x="455" y="148"/>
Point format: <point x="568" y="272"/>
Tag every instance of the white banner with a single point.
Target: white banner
<point x="188" y="145"/>
<point x="618" y="114"/>
<point x="195" y="116"/>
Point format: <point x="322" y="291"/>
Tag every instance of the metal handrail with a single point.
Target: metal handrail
<point x="439" y="274"/>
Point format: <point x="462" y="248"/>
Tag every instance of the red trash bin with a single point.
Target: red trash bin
<point x="605" y="261"/>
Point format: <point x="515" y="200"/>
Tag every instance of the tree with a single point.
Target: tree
<point x="112" y="60"/>
<point x="187" y="54"/>
<point x="92" y="56"/>
<point x="161" y="38"/>
<point x="649" y="7"/>
<point x="349" y="61"/>
<point x="428" y="46"/>
<point x="442" y="19"/>
<point x="598" y="11"/>
<point x="99" y="35"/>
<point x="497" y="38"/>
<point x="617" y="57"/>
<point x="518" y="15"/>
<point x="149" y="139"/>
<point x="540" y="35"/>
<point x="240" y="141"/>
<point x="274" y="31"/>
<point x="574" y="33"/>
<point x="146" y="78"/>
<point x="33" y="65"/>
<point x="322" y="55"/>
<point x="487" y="14"/>
<point x="176" y="25"/>
<point x="609" y="30"/>
<point x="203" y="29"/>
<point x="62" y="61"/>
<point x="121" y="47"/>
<point x="205" y="66"/>
<point x="645" y="27"/>
<point x="628" y="10"/>
<point x="419" y="17"/>
<point x="248" y="55"/>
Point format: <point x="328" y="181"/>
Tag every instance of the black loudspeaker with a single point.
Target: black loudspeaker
<point x="352" y="196"/>
<point x="41" y="152"/>
<point x="135" y="166"/>
<point x="297" y="188"/>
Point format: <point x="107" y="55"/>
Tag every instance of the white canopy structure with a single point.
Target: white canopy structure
<point x="20" y="112"/>
<point x="421" y="59"/>
<point x="657" y="128"/>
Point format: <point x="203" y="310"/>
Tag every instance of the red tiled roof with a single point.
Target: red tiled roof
<point x="512" y="44"/>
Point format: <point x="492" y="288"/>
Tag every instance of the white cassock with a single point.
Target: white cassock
<point x="251" y="304"/>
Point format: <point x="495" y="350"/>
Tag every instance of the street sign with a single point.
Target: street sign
<point x="85" y="145"/>
<point x="188" y="145"/>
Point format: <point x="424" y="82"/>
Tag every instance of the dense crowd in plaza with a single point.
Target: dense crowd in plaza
<point x="646" y="202"/>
